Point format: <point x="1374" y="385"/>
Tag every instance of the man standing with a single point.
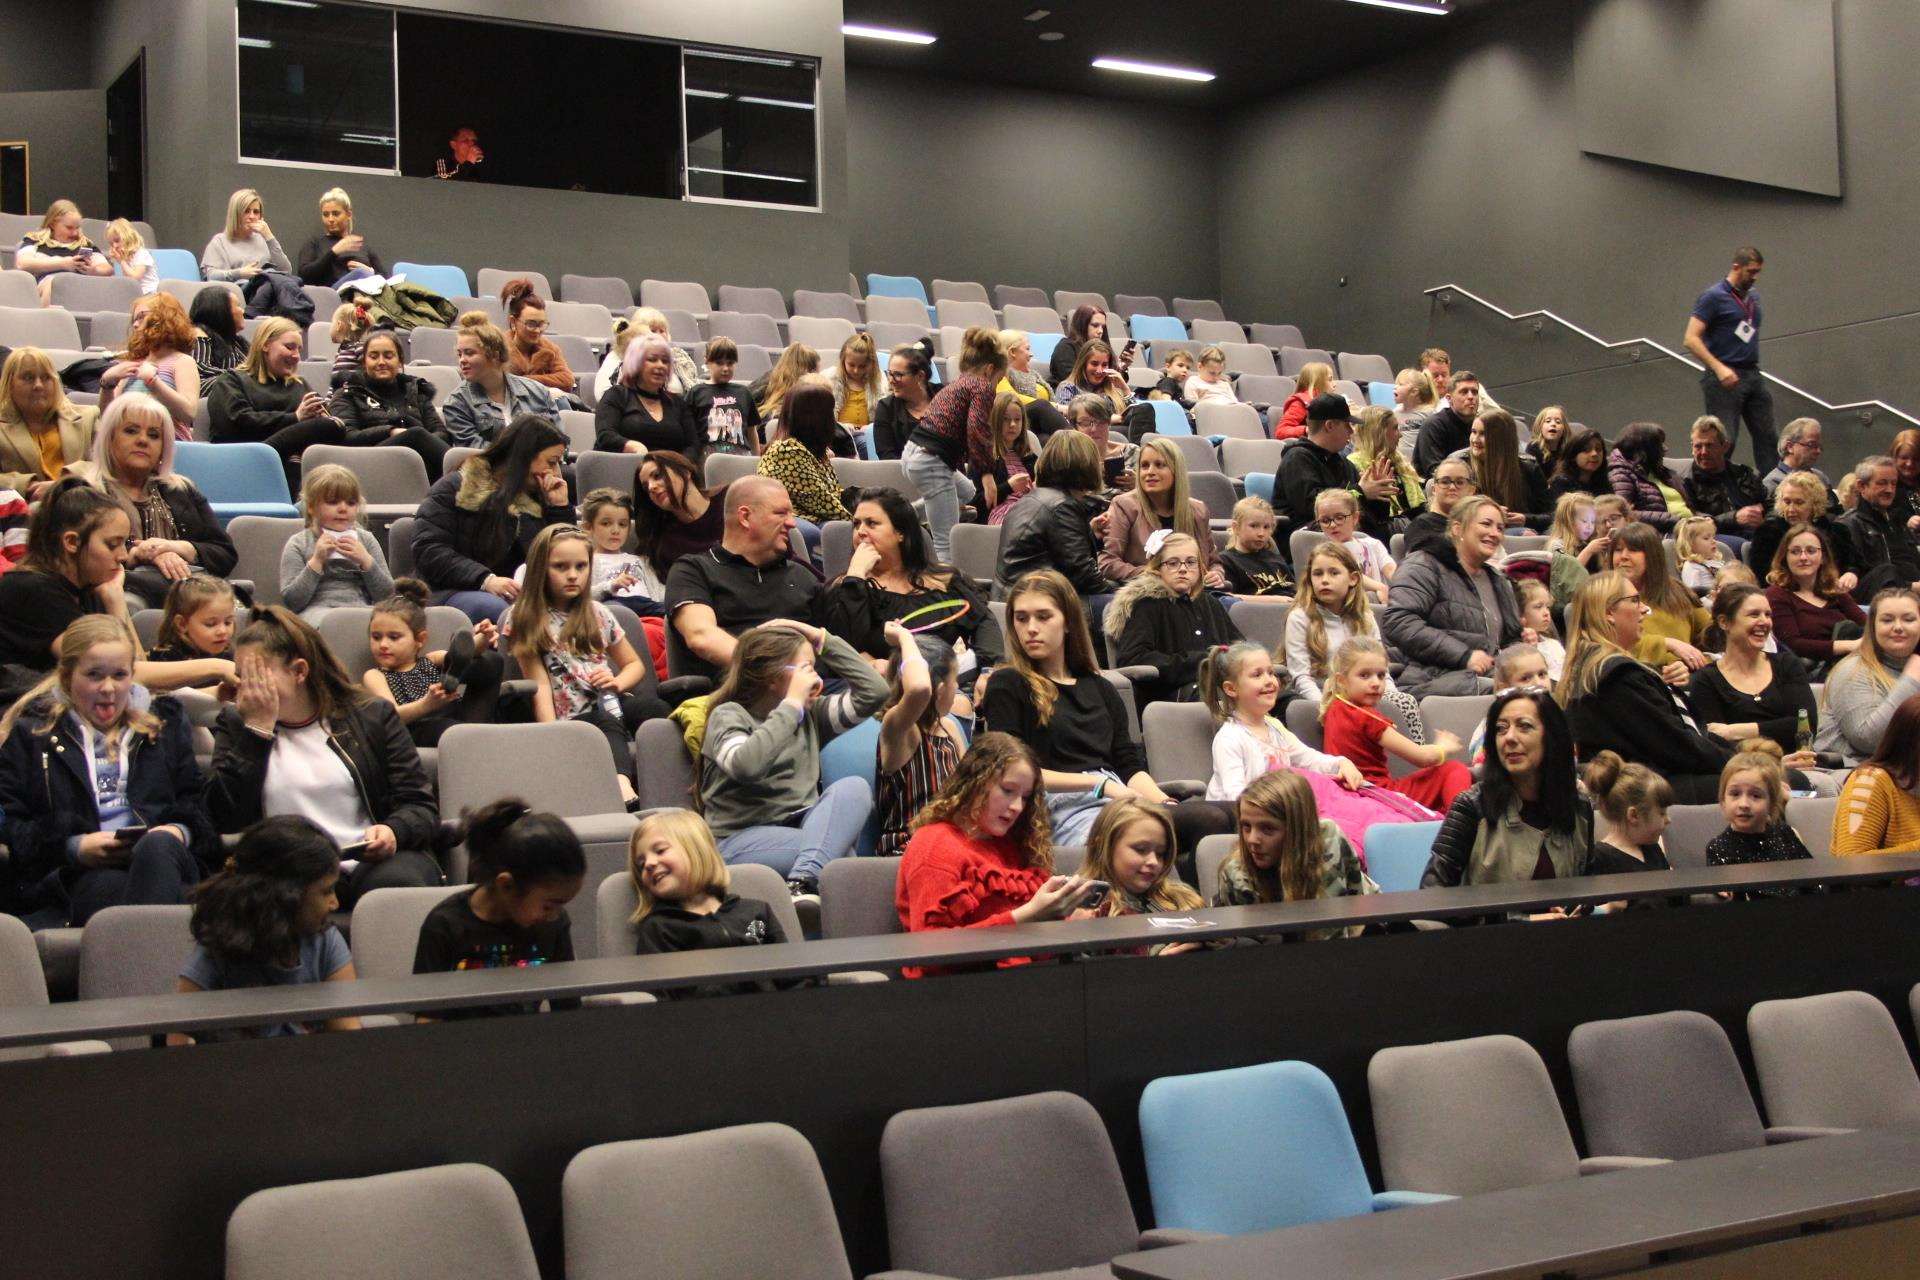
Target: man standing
<point x="725" y="591"/>
<point x="1724" y="335"/>
<point x="1314" y="463"/>
<point x="1447" y="429"/>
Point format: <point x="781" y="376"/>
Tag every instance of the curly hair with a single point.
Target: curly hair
<point x="162" y="326"/>
<point x="249" y="911"/>
<point x="961" y="797"/>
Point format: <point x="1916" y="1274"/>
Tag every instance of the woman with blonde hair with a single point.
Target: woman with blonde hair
<point x="1802" y="497"/>
<point x="630" y="326"/>
<point x="490" y="394"/>
<point x="158" y="361"/>
<point x="41" y="431"/>
<point x="1866" y="687"/>
<point x="246" y="246"/>
<point x="1159" y="499"/>
<point x="1615" y="702"/>
<point x="1414" y="395"/>
<point x="795" y="362"/>
<point x="1378" y="436"/>
<point x="264" y="400"/>
<point x="1314" y="379"/>
<point x="59" y="245"/>
<point x="336" y="251"/>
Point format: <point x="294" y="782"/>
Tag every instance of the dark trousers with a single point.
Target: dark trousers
<point x="407" y="869"/>
<point x="1748" y="400"/>
<point x="1194" y="821"/>
<point x="635" y="710"/>
<point x="159" y="872"/>
<point x="479" y="701"/>
<point x="431" y="448"/>
<point x="288" y="442"/>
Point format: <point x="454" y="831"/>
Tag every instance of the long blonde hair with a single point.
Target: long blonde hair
<point x="1285" y="797"/>
<point x="81" y="635"/>
<point x="580" y="631"/>
<point x="1168" y="892"/>
<point x="1564" y="535"/>
<point x="1354" y="609"/>
<point x="1183" y="521"/>
<point x="1590" y="642"/>
<point x="1868" y="657"/>
<point x="1314" y="379"/>
<point x="1077" y="643"/>
<point x="237" y="205"/>
<point x="795" y="363"/>
<point x="705" y="867"/>
<point x="269" y="332"/>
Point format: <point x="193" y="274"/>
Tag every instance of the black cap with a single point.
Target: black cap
<point x="1329" y="408"/>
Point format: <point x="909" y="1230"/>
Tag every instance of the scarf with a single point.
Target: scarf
<point x="1025" y="384"/>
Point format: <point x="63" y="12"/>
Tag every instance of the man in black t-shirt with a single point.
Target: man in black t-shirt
<point x="748" y="579"/>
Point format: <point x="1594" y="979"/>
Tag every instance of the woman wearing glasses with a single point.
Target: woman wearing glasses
<point x="909" y="393"/>
<point x="1450" y="483"/>
<point x="530" y="353"/>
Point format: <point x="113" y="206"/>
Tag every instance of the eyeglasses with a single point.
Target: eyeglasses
<point x="534" y="326"/>
<point x="1634" y="599"/>
<point x="896" y="373"/>
<point x="1184" y="562"/>
<point x="1340" y="518"/>
<point x="1451" y="482"/>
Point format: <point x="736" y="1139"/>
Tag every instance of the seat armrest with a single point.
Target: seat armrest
<point x="77" y="1048"/>
<point x="677" y="689"/>
<point x="1185" y="789"/>
<point x="1613" y="1164"/>
<point x="614" y="999"/>
<point x="855" y="978"/>
<point x="1385" y="1200"/>
<point x="1168" y="1237"/>
<point x="1137" y="672"/>
<point x="1800" y="1132"/>
<point x="372" y="1021"/>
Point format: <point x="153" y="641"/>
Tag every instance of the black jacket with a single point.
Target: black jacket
<point x="1883" y="551"/>
<point x="370" y="411"/>
<point x="1147" y="625"/>
<point x="318" y="265"/>
<point x="47" y="795"/>
<point x="370" y="740"/>
<point x="1060" y="363"/>
<point x="1306" y="469"/>
<point x="619" y="419"/>
<point x="1049" y="529"/>
<point x="242" y="409"/>
<point x="1764" y="543"/>
<point x="858" y="612"/>
<point x="1633" y="712"/>
<point x="740" y="922"/>
<point x="1723" y="493"/>
<point x="194" y="522"/>
<point x="1442" y="432"/>
<point x="451" y="545"/>
<point x="892" y="424"/>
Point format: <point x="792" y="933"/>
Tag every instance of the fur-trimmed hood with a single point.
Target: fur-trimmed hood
<point x="477" y="488"/>
<point x="1143" y="586"/>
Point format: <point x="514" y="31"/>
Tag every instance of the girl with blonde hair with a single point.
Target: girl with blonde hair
<point x="1314" y="379"/>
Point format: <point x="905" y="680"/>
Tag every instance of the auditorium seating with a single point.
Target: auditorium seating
<point x="1835" y="1060"/>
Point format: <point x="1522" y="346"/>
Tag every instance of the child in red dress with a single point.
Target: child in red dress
<point x="1357" y="729"/>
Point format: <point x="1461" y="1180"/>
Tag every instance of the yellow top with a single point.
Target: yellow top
<point x="1040" y="391"/>
<point x="53" y="458"/>
<point x="1662" y="625"/>
<point x="853" y="411"/>
<point x="1875" y="815"/>
<point x="1676" y="501"/>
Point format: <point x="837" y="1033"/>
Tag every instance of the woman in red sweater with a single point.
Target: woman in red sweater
<point x="1807" y="601"/>
<point x="981" y="853"/>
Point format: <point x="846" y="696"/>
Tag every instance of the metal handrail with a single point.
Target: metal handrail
<point x="1866" y="407"/>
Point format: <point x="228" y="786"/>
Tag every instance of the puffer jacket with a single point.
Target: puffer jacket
<point x="1434" y="618"/>
<point x="451" y="548"/>
<point x="1637" y="489"/>
<point x="1148" y="626"/>
<point x="370" y="411"/>
<point x="1049" y="529"/>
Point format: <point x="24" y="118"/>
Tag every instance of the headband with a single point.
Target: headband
<point x="1156" y="540"/>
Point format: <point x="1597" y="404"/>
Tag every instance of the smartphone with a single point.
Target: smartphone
<point x="1098" y="897"/>
<point x="353" y="850"/>
<point x="1126" y="352"/>
<point x="128" y="835"/>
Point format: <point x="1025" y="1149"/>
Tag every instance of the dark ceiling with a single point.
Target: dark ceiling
<point x="1256" y="48"/>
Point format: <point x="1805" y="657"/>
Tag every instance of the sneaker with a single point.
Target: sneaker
<point x="806" y="904"/>
<point x="459" y="657"/>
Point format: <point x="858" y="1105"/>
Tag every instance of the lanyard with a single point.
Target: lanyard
<point x="1746" y="304"/>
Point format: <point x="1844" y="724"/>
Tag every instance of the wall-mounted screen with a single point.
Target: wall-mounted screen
<point x="316" y="84"/>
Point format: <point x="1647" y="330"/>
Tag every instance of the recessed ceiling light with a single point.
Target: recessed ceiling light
<point x="1038" y="14"/>
<point x="1152" y="69"/>
<point x="1053" y="35"/>
<point x="885" y="33"/>
<point x="1410" y="6"/>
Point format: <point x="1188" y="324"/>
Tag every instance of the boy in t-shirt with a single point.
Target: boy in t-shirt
<point x="729" y="420"/>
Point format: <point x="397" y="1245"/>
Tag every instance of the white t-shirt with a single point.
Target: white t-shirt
<point x="305" y="778"/>
<point x="150" y="282"/>
<point x="1198" y="389"/>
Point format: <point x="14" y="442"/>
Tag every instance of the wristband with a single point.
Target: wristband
<point x="1100" y="788"/>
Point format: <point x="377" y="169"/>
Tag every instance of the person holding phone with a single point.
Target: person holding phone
<point x="58" y="246"/>
<point x="102" y="799"/>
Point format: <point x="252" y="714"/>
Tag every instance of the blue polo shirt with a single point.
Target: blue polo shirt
<point x="1722" y="310"/>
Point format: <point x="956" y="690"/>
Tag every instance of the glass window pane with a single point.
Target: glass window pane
<point x="316" y="84"/>
<point x="751" y="131"/>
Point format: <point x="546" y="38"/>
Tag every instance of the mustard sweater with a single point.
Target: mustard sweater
<point x="1660" y="625"/>
<point x="1876" y="815"/>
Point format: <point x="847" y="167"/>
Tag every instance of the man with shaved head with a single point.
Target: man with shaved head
<point x="748" y="579"/>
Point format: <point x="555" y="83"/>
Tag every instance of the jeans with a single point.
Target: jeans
<point x="1073" y="814"/>
<point x="944" y="490"/>
<point x="1456" y="684"/>
<point x="481" y="606"/>
<point x="824" y="832"/>
<point x="809" y="534"/>
<point x="159" y="872"/>
<point x="1748" y="398"/>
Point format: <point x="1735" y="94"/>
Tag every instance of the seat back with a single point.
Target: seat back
<point x="399" y="546"/>
<point x="1218" y="331"/>
<point x="36" y="326"/>
<point x="1277" y="336"/>
<point x="84" y="295"/>
<point x="387" y="473"/>
<point x="857" y="898"/>
<point x="1813" y="818"/>
<point x="1689" y="828"/>
<point x="249" y="472"/>
<point x="1215" y="491"/>
<point x="580" y="432"/>
<point x="1179" y="740"/>
<point x="1294" y="359"/>
<point x="481" y="763"/>
<point x="960" y="291"/>
<point x="1300" y="545"/>
<point x="23" y="982"/>
<point x="722" y="469"/>
<point x="976" y="550"/>
<point x="1020" y="295"/>
<point x="1149" y="328"/>
<point x="597" y="470"/>
<point x="386" y="928"/>
<point x="452" y="1222"/>
<point x="1459" y="716"/>
<point x="1835" y="1059"/>
<point x="966" y="313"/>
<point x="1208" y="855"/>
<point x="676" y="295"/>
<point x="1170" y="420"/>
<point x="258" y="541"/>
<point x="1364" y="368"/>
<point x="176" y="264"/>
<point x="896" y="287"/>
<point x="17" y="289"/>
<point x="778" y="1218"/>
<point x="431" y="346"/>
<point x="1139" y="304"/>
<point x="882" y="473"/>
<point x="1190" y="309"/>
<point x="1263" y="621"/>
<point x="611" y="292"/>
<point x="1235" y="421"/>
<point x="665" y="769"/>
<point x="1465" y="1116"/>
<point x="760" y="330"/>
<point x="895" y="309"/>
<point x="824" y="334"/>
<point x="1240" y="457"/>
<point x="1248" y="357"/>
<point x="753" y="301"/>
<point x="588" y="320"/>
<point x="1033" y="319"/>
<point x="1626" y="1072"/>
<point x="449" y="282"/>
<point x="1198" y="452"/>
<point x="1398" y="853"/>
<point x="837" y="306"/>
<point x="1250" y="1149"/>
<point x="1039" y="1168"/>
<point x="133" y="951"/>
<point x="345" y="631"/>
<point x="491" y="280"/>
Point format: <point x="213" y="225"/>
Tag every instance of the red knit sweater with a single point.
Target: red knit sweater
<point x="950" y="880"/>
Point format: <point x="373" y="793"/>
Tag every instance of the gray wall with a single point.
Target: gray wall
<point x="1463" y="164"/>
<point x="25" y="63"/>
<point x="473" y="225"/>
<point x="1011" y="186"/>
<point x="66" y="133"/>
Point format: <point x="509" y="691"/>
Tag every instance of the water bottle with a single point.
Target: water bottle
<point x="610" y="703"/>
<point x="1802" y="731"/>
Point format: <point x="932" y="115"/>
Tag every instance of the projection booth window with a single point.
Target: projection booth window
<point x="752" y="133"/>
<point x="316" y="85"/>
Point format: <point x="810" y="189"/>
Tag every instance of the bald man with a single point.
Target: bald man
<point x="748" y="579"/>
